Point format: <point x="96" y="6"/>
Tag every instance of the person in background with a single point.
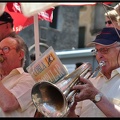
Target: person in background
<point x="100" y="96"/>
<point x="6" y="29"/>
<point x="15" y="84"/>
<point x="112" y="19"/>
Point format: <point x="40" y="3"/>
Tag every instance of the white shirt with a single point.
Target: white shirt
<point x="20" y="85"/>
<point x="110" y="88"/>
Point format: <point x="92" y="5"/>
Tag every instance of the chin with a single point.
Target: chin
<point x="105" y="68"/>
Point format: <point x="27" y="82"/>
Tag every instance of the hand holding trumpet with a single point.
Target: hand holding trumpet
<point x="87" y="90"/>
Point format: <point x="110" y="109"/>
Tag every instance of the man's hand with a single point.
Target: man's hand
<point x="87" y="90"/>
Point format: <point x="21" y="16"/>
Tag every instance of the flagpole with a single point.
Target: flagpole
<point x="36" y="36"/>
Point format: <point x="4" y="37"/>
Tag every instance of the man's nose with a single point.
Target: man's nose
<point x="99" y="54"/>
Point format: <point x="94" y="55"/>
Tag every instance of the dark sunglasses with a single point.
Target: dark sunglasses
<point x="109" y="22"/>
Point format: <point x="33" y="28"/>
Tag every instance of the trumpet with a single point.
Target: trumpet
<point x="55" y="100"/>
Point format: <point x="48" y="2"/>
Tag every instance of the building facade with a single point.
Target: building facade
<point x="72" y="27"/>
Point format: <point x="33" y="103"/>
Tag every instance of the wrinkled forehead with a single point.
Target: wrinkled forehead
<point x="107" y="46"/>
<point x="8" y="41"/>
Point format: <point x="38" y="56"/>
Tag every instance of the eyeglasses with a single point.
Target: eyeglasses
<point x="102" y="50"/>
<point x="109" y="22"/>
<point x="6" y="49"/>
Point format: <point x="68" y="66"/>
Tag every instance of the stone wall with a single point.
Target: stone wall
<point x="66" y="34"/>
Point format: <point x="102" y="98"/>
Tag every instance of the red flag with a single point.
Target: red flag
<point x="21" y="21"/>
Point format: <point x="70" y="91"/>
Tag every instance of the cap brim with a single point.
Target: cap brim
<point x="104" y="41"/>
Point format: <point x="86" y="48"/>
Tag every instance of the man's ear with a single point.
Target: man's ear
<point x="21" y="54"/>
<point x="6" y="25"/>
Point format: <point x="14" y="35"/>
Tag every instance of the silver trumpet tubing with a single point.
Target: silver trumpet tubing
<point x="55" y="100"/>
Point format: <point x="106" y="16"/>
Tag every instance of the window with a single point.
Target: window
<point x="55" y="16"/>
<point x="81" y="37"/>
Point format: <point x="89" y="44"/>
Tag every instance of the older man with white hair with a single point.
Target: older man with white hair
<point x="100" y="96"/>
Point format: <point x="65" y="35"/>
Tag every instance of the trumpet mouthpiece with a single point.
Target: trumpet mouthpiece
<point x="102" y="63"/>
<point x="1" y="59"/>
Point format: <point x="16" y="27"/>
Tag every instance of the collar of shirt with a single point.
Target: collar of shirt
<point x="14" y="72"/>
<point x="17" y="71"/>
<point x="114" y="72"/>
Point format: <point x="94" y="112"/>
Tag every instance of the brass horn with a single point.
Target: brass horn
<point x="54" y="100"/>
